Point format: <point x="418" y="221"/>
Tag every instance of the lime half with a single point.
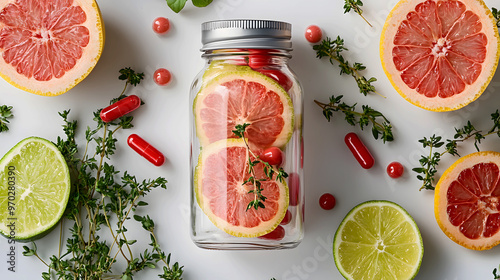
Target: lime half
<point x="378" y="240"/>
<point x="34" y="189"/>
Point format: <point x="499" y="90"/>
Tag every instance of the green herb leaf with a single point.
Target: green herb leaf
<point x="5" y="115"/>
<point x="269" y="171"/>
<point x="429" y="163"/>
<point x="130" y="76"/>
<point x="103" y="199"/>
<point x="355" y="6"/>
<point x="381" y="127"/>
<point x="201" y="3"/>
<point x="176" y="5"/>
<point x="332" y="49"/>
<point x="496" y="15"/>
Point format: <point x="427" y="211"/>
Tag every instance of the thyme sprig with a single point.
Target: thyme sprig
<point x="5" y="115"/>
<point x="495" y="275"/>
<point x="428" y="164"/>
<point x="254" y="160"/>
<point x="332" y="49"/>
<point x="496" y="15"/>
<point x="355" y="6"/>
<point x="381" y="126"/>
<point x="103" y="199"/>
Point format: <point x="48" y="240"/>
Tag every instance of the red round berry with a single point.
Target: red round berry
<point x="272" y="155"/>
<point x="161" y="25"/>
<point x="288" y="217"/>
<point x="313" y="34"/>
<point x="327" y="201"/>
<point x="276" y="234"/>
<point x="395" y="169"/>
<point x="162" y="76"/>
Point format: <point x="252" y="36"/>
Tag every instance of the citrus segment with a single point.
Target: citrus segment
<point x="222" y="169"/>
<point x="467" y="201"/>
<point x="34" y="189"/>
<point x="47" y="46"/>
<point x="242" y="97"/>
<point x="378" y="240"/>
<point x="440" y="55"/>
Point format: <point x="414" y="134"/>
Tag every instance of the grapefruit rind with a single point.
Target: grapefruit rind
<point x="90" y="56"/>
<point x="471" y="92"/>
<point x="237" y="231"/>
<point x="219" y="67"/>
<point x="349" y="217"/>
<point x="41" y="230"/>
<point x="440" y="201"/>
<point x="249" y="76"/>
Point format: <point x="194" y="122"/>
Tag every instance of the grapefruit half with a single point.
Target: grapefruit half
<point x="467" y="201"/>
<point x="49" y="46"/>
<point x="222" y="169"/>
<point x="240" y="97"/>
<point x="440" y="55"/>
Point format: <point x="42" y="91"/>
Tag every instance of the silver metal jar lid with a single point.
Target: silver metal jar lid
<point x="246" y="33"/>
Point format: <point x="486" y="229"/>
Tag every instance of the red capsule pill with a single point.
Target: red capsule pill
<point x="120" y="108"/>
<point x="145" y="149"/>
<point x="359" y="150"/>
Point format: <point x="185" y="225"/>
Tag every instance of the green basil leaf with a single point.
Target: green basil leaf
<point x="176" y="5"/>
<point x="201" y="3"/>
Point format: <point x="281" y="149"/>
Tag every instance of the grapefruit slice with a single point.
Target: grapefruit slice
<point x="440" y="55"/>
<point x="49" y="46"/>
<point x="467" y="201"/>
<point x="239" y="97"/>
<point x="222" y="169"/>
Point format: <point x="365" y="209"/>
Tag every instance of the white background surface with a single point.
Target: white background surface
<point x="329" y="166"/>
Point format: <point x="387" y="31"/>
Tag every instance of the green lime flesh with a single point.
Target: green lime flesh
<point x="378" y="240"/>
<point x="34" y="189"/>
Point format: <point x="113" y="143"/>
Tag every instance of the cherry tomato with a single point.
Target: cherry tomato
<point x="278" y="76"/>
<point x="294" y="188"/>
<point x="395" y="169"/>
<point x="313" y="34"/>
<point x="162" y="76"/>
<point x="277" y="234"/>
<point x="272" y="155"/>
<point x="327" y="201"/>
<point x="286" y="220"/>
<point x="359" y="150"/>
<point x="161" y="25"/>
<point x="145" y="149"/>
<point x="120" y="108"/>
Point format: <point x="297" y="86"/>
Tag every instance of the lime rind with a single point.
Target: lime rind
<point x="288" y="115"/>
<point x="39" y="199"/>
<point x="365" y="261"/>
<point x="220" y="223"/>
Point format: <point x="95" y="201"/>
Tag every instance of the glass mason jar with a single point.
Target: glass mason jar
<point x="247" y="188"/>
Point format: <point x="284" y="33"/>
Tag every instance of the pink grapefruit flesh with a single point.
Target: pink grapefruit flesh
<point x="468" y="201"/>
<point x="244" y="97"/>
<point x="440" y="55"/>
<point x="221" y="171"/>
<point x="48" y="46"/>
